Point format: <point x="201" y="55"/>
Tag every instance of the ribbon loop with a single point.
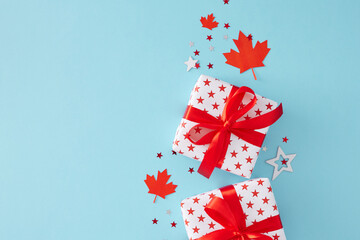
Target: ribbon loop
<point x="217" y="131"/>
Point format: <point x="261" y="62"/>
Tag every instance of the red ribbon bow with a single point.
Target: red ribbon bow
<point x="229" y="214"/>
<point x="217" y="131"/>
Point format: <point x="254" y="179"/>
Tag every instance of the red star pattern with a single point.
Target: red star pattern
<point x="173" y="224"/>
<point x="238" y="166"/>
<point x="248" y="159"/>
<point x="210" y="66"/>
<point x="233" y="154"/>
<point x="201" y="218"/>
<point x="191" y="170"/>
<point x="226" y="25"/>
<point x="258" y="112"/>
<point x="211" y="225"/>
<point x="210" y="96"/>
<point x="197" y="222"/>
<point x="268" y="106"/>
<point x="191" y="211"/>
<point x="285" y="139"/>
<point x="244" y="148"/>
<point x="196" y="52"/>
<point x="155" y="221"/>
<point x="276" y="237"/>
<point x="159" y="155"/>
<point x="209" y="37"/>
<point x="222" y="88"/>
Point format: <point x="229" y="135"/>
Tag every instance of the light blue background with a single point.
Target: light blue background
<point x="90" y="91"/>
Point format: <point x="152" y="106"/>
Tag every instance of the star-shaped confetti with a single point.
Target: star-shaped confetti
<point x="190" y="63"/>
<point x="168" y="212"/>
<point x="196" y="52"/>
<point x="264" y="148"/>
<point x="226" y="25"/>
<point x="226" y="37"/>
<point x="210" y="66"/>
<point x="273" y="163"/>
<point x="226" y="1"/>
<point x="191" y="44"/>
<point x="159" y="155"/>
<point x="285" y="139"/>
<point x="191" y="170"/>
<point x="211" y="48"/>
<point x="209" y="37"/>
<point x="173" y="224"/>
<point x="155" y="221"/>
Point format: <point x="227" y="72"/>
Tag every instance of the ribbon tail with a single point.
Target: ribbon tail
<point x="215" y="154"/>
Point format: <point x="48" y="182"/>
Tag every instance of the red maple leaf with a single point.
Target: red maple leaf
<point x="160" y="187"/>
<point x="209" y="22"/>
<point x="247" y="57"/>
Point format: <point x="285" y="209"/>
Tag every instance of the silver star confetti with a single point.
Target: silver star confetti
<point x="211" y="48"/>
<point x="273" y="163"/>
<point x="191" y="43"/>
<point x="190" y="63"/>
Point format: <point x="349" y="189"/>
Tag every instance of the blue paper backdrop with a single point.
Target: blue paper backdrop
<point x="90" y="91"/>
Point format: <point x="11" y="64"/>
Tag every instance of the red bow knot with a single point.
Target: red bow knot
<point x="217" y="131"/>
<point x="229" y="214"/>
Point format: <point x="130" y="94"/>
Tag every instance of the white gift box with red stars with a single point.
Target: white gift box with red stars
<point x="257" y="201"/>
<point x="210" y="95"/>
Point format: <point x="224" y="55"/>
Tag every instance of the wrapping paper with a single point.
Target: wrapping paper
<point x="210" y="94"/>
<point x="257" y="201"/>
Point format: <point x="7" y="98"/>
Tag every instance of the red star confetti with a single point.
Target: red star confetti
<point x="285" y="139"/>
<point x="197" y="65"/>
<point x="159" y="186"/>
<point x="155" y="221"/>
<point x="173" y="224"/>
<point x="210" y="65"/>
<point x="159" y="155"/>
<point x="196" y="52"/>
<point x="191" y="170"/>
<point x="226" y="1"/>
<point x="209" y="22"/>
<point x="248" y="57"/>
<point x="209" y="37"/>
<point x="226" y="25"/>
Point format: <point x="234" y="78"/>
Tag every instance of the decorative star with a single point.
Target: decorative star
<point x="264" y="148"/>
<point x="168" y="212"/>
<point x="190" y="63"/>
<point x="210" y="66"/>
<point x="196" y="52"/>
<point x="159" y="155"/>
<point x="226" y="25"/>
<point x="197" y="65"/>
<point x="288" y="167"/>
<point x="191" y="170"/>
<point x="209" y="37"/>
<point x="226" y="37"/>
<point x="226" y="1"/>
<point x="173" y="224"/>
<point x="285" y="139"/>
<point x="211" y="48"/>
<point x="191" y="44"/>
<point x="155" y="221"/>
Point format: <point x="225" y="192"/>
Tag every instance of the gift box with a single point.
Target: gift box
<point x="243" y="211"/>
<point x="224" y="126"/>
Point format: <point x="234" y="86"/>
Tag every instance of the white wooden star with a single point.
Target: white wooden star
<point x="191" y="43"/>
<point x="211" y="48"/>
<point x="190" y="63"/>
<point x="288" y="167"/>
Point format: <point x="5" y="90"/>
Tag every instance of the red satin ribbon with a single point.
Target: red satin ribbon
<point x="229" y="214"/>
<point x="218" y="130"/>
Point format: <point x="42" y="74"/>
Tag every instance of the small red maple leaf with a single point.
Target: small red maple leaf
<point x="159" y="186"/>
<point x="248" y="56"/>
<point x="209" y="22"/>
